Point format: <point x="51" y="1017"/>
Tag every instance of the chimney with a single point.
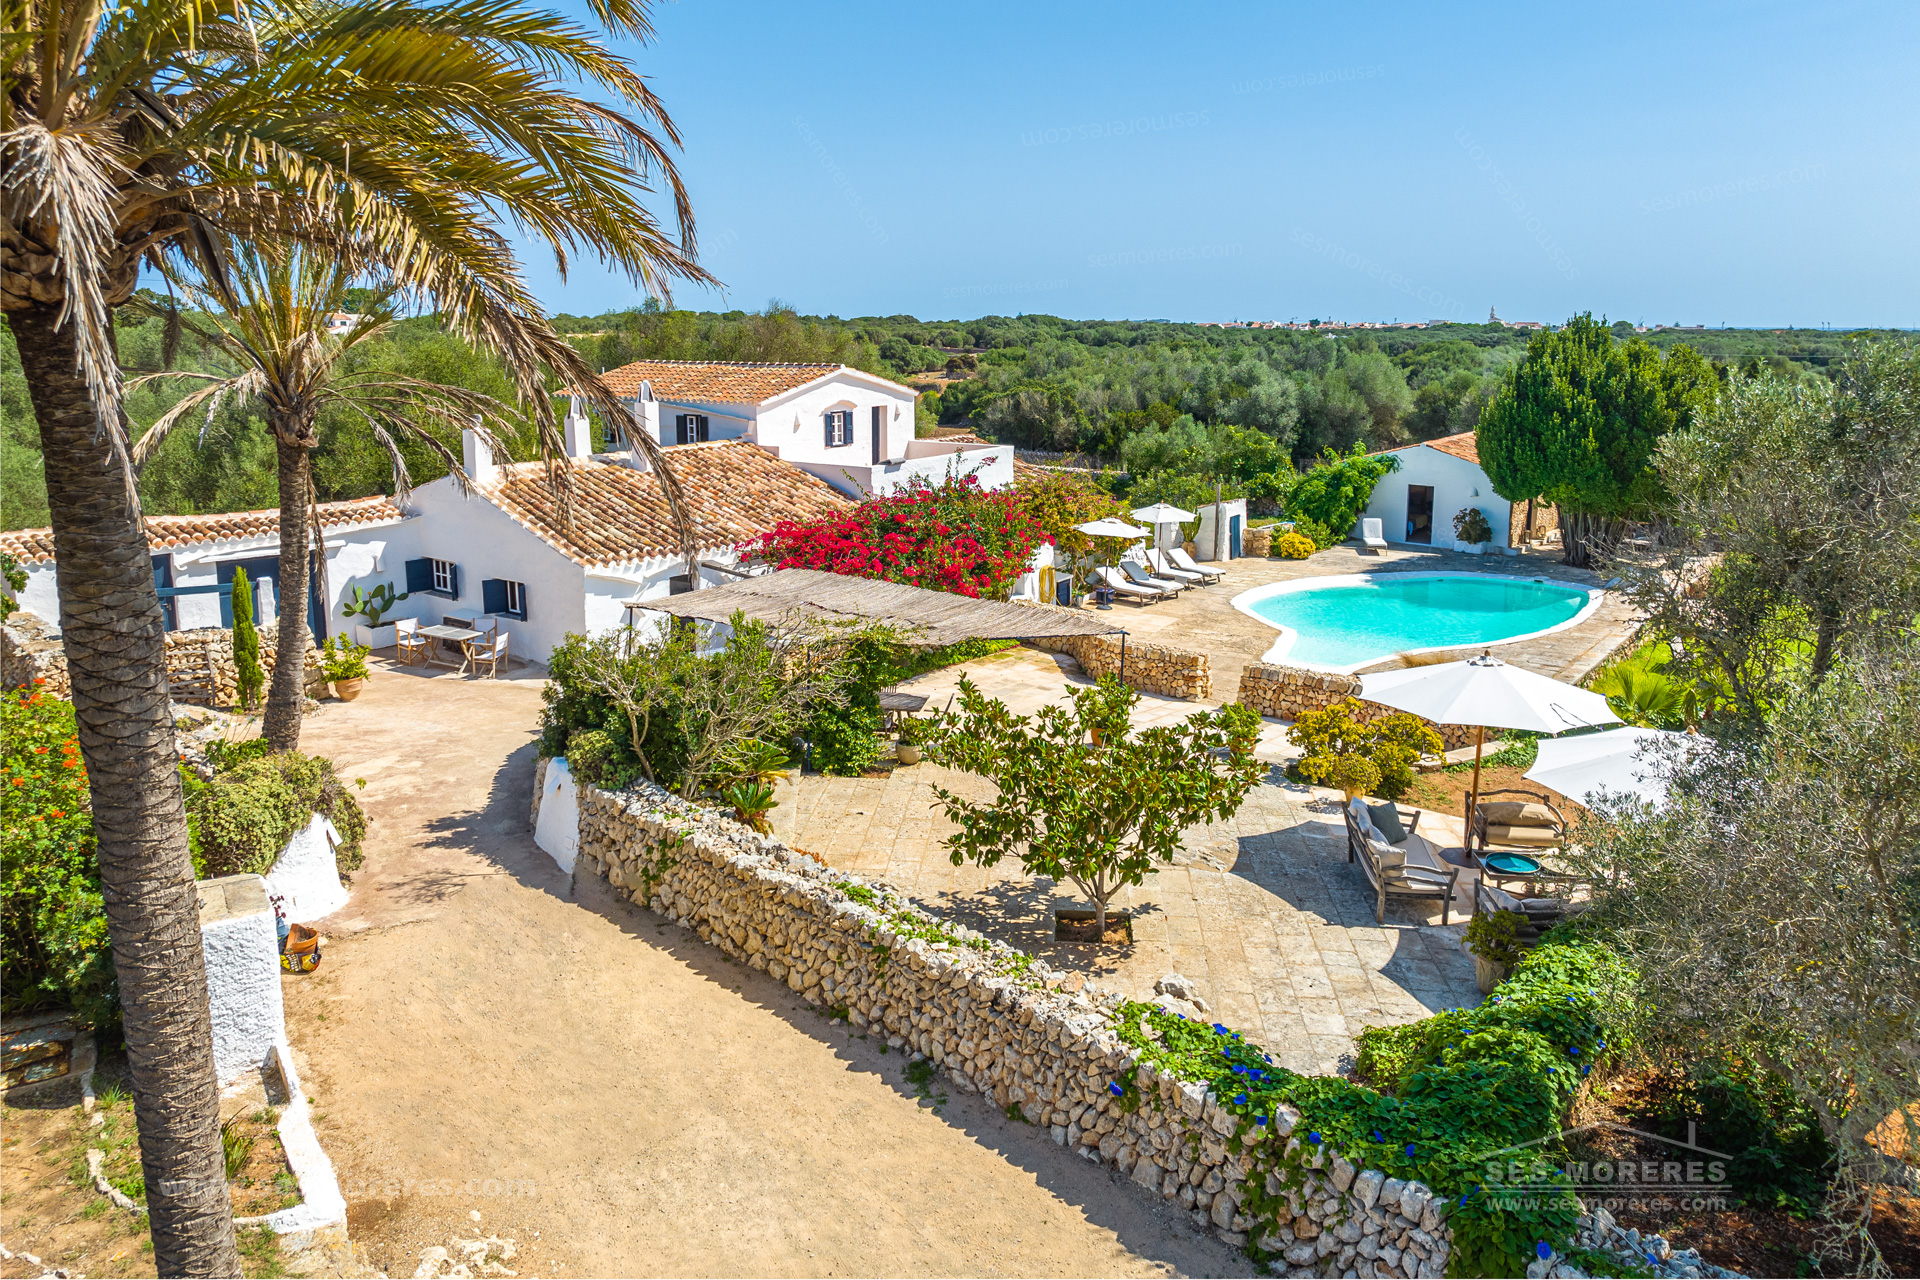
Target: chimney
<point x="577" y="432"/>
<point x="476" y="459"/>
<point x="646" y="417"/>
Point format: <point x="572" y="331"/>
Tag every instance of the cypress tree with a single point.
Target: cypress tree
<point x="246" y="642"/>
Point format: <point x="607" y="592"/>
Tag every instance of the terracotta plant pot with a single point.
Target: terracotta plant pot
<point x="1487" y="975"/>
<point x="346" y="690"/>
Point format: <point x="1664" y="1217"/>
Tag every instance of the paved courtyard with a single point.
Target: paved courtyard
<point x="1263" y="912"/>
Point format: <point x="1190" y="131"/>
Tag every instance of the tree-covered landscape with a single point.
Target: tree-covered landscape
<point x="1191" y="402"/>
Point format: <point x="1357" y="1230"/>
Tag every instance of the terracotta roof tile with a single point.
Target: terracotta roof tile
<point x="1464" y="445"/>
<point x="716" y="381"/>
<point x="738" y="491"/>
<point x="35" y="546"/>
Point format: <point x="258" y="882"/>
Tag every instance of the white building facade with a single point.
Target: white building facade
<point x="1436" y="480"/>
<point x="852" y="429"/>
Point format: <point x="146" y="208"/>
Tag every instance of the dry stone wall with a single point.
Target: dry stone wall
<point x="1286" y="693"/>
<point x="1151" y="668"/>
<point x="200" y="666"/>
<point x="1258" y="541"/>
<point x="1003" y="1024"/>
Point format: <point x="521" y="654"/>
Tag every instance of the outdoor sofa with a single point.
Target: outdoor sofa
<point x="1406" y="868"/>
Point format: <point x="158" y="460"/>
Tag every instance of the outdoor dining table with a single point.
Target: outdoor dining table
<point x="456" y="635"/>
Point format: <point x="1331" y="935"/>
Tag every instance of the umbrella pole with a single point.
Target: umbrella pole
<point x="1473" y="796"/>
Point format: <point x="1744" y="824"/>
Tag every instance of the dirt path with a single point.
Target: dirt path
<point x="618" y="1097"/>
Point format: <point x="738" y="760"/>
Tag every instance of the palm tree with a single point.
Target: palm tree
<point x="399" y="133"/>
<point x="268" y="314"/>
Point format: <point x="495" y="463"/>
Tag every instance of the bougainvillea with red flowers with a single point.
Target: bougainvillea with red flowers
<point x="954" y="536"/>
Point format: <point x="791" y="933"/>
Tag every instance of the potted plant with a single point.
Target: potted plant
<point x="344" y="665"/>
<point x="1471" y="530"/>
<point x="373" y="606"/>
<point x="1493" y="942"/>
<point x="914" y="733"/>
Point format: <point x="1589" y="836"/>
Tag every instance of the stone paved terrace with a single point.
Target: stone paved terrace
<point x="1263" y="912"/>
<point x="1203" y="618"/>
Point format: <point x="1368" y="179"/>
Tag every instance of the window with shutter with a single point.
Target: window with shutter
<point x="880" y="433"/>
<point x="509" y="599"/>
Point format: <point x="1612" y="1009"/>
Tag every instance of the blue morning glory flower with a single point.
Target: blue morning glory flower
<point x="1239" y="1099"/>
<point x="1314" y="1137"/>
<point x="1574" y="1049"/>
<point x="1259" y="1119"/>
<point x="1219" y="1030"/>
<point x="1601" y="1045"/>
<point x="1543" y="1250"/>
<point x="1409" y="1151"/>
<point x="1378" y="1136"/>
<point x="1585" y="1068"/>
<point x="1115" y="1089"/>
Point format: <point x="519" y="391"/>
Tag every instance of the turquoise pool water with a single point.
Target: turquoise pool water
<point x="1348" y="625"/>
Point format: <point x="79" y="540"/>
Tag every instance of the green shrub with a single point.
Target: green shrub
<point x="844" y="741"/>
<point x="1338" y="743"/>
<point x="247" y="813"/>
<point x="1639" y="689"/>
<point x="600" y="759"/>
<point x="53" y="924"/>
<point x="1781" y="1159"/>
<point x="1454" y="1091"/>
<point x="1313" y="531"/>
<point x="1337" y="489"/>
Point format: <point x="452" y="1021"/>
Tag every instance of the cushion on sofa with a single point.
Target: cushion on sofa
<point x="1386" y="820"/>
<point x="1513" y="813"/>
<point x="1525" y="837"/>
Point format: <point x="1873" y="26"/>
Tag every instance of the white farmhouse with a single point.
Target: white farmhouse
<point x="1438" y="479"/>
<point x="501" y="549"/>
<point x="852" y="429"/>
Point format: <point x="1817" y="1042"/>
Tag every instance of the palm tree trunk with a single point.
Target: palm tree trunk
<point x="113" y="630"/>
<point x="287" y="695"/>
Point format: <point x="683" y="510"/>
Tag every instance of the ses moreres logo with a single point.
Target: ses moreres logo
<point x="1527" y="1176"/>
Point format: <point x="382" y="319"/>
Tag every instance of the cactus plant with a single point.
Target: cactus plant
<point x="371" y="605"/>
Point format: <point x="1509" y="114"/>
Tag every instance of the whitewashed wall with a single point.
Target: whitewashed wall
<point x="487" y="543"/>
<point x="794" y="424"/>
<point x="1456" y="483"/>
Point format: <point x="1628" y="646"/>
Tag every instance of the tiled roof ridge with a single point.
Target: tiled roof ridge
<point x="35" y="546"/>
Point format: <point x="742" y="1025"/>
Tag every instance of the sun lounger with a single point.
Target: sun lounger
<point x="1117" y="582"/>
<point x="1158" y="562"/>
<point x="1138" y="575"/>
<point x="1179" y="559"/>
<point x="1370" y="534"/>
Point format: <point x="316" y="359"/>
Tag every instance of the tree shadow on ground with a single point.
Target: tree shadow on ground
<point x="1142" y="1223"/>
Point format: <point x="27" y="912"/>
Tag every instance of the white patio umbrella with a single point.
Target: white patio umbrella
<point x="1619" y="760"/>
<point x="1159" y="514"/>
<point x="1487" y="693"/>
<point x="1110" y="527"/>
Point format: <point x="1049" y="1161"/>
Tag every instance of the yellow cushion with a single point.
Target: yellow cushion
<point x="1515" y="813"/>
<point x="1526" y="837"/>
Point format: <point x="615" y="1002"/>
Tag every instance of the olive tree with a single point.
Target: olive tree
<point x="1770" y="905"/>
<point x="1081" y="795"/>
<point x="1796" y="510"/>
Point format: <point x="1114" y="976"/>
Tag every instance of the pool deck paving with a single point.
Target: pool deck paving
<point x="1204" y="619"/>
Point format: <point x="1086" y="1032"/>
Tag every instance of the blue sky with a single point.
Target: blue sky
<point x="1748" y="164"/>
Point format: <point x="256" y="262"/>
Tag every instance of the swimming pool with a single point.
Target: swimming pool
<point x="1345" y="622"/>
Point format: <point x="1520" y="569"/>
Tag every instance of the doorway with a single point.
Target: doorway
<point x="264" y="571"/>
<point x="1420" y="513"/>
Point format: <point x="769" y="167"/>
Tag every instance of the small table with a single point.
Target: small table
<point x="1501" y="866"/>
<point x="459" y="636"/>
